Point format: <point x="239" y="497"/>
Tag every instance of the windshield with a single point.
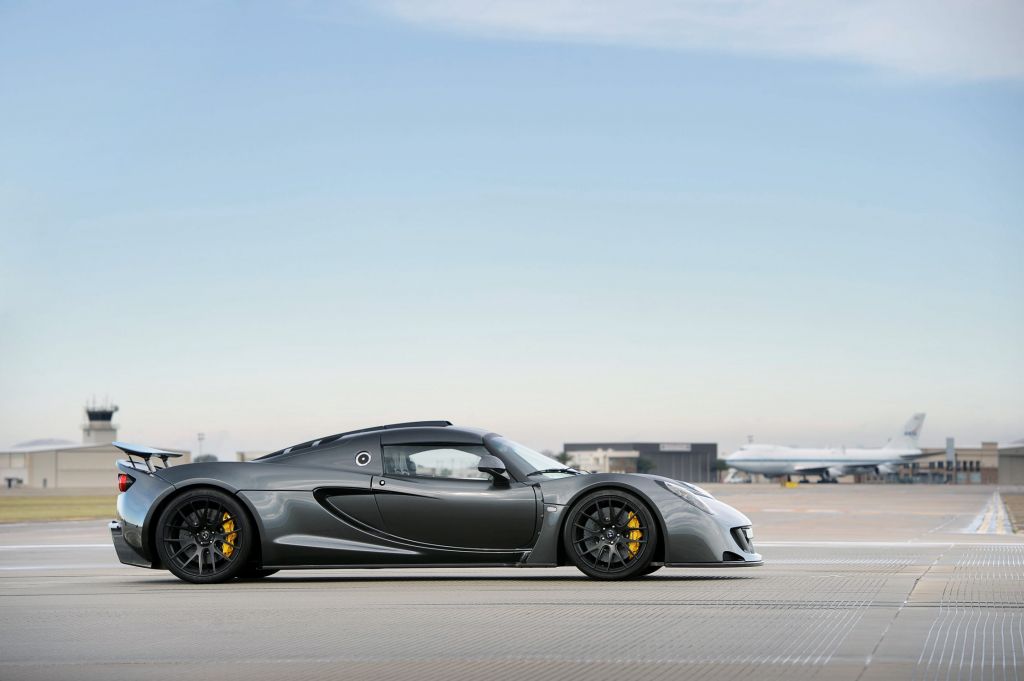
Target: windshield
<point x="535" y="461"/>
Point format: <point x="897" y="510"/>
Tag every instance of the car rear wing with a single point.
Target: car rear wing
<point x="144" y="453"/>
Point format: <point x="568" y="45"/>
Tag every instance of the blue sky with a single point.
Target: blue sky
<point x="278" y="220"/>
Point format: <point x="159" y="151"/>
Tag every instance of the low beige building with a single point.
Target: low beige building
<point x="974" y="464"/>
<point x="49" y="464"/>
<point x="988" y="463"/>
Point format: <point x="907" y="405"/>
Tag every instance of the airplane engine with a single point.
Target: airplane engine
<point x="836" y="471"/>
<point x="885" y="469"/>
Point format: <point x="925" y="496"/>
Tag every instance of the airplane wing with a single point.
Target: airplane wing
<point x="810" y="467"/>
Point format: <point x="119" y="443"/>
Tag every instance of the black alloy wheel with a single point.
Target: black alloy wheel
<point x="204" y="537"/>
<point x="610" y="534"/>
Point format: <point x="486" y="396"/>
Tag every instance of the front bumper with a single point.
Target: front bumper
<point x="126" y="553"/>
<point x="723" y="538"/>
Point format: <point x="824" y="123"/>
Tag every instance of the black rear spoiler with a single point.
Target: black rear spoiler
<point x="144" y="453"/>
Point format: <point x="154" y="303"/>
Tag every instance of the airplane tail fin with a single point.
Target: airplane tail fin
<point x="908" y="439"/>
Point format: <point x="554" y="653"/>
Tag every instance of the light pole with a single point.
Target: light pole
<point x="200" y="437"/>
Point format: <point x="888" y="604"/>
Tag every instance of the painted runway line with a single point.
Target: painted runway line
<point x="991" y="519"/>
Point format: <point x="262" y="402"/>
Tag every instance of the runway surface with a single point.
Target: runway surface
<point x="861" y="582"/>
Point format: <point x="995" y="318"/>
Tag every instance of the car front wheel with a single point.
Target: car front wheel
<point x="610" y="534"/>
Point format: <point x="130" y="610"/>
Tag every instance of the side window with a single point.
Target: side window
<point x="435" y="461"/>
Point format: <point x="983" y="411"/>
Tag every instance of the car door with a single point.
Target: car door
<point x="434" y="494"/>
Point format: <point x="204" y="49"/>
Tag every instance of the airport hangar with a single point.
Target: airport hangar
<point x="56" y="464"/>
<point x="690" y="461"/>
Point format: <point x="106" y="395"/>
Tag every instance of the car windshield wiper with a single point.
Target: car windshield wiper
<point x="555" y="470"/>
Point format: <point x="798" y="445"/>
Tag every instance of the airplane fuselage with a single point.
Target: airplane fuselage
<point x="774" y="461"/>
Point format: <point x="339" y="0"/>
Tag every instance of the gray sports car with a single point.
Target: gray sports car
<point x="413" y="495"/>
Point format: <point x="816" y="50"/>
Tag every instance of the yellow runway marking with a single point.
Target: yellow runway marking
<point x="993" y="518"/>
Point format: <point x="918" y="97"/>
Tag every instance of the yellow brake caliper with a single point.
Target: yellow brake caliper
<point x="635" y="535"/>
<point x="229" y="527"/>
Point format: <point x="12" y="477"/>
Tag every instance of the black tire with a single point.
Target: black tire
<point x="610" y="534"/>
<point x="204" y="537"/>
<point x="250" y="572"/>
<point x="650" y="569"/>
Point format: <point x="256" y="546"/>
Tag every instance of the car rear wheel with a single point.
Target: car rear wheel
<point x="610" y="534"/>
<point x="204" y="537"/>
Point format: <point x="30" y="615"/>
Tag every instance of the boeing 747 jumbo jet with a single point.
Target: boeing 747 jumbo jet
<point x="829" y="463"/>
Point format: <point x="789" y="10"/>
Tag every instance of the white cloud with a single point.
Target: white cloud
<point x="960" y="39"/>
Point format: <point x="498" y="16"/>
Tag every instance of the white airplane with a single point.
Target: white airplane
<point x="829" y="463"/>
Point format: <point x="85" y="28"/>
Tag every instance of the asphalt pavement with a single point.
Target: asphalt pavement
<point x="860" y="582"/>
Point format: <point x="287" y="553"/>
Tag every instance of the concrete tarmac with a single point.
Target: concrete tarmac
<point x="862" y="582"/>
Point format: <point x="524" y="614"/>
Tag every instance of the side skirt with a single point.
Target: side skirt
<point x="387" y="566"/>
<point x="722" y="564"/>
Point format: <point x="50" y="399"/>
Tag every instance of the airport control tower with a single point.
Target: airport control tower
<point x="99" y="430"/>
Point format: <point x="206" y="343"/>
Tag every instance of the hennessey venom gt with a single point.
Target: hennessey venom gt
<point x="416" y="494"/>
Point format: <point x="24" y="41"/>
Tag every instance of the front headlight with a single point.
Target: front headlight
<point x="700" y="491"/>
<point x="687" y="496"/>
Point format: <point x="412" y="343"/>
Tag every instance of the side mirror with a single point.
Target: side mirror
<point x="492" y="465"/>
